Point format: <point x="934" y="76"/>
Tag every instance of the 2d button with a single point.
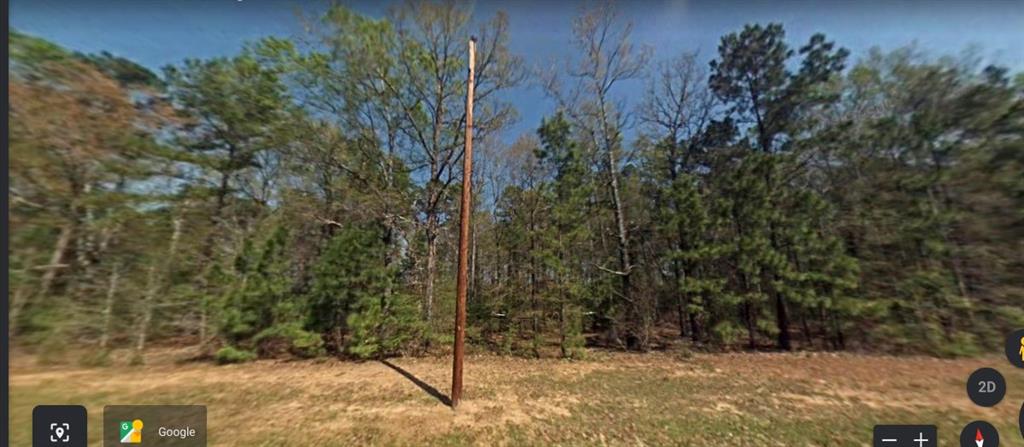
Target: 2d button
<point x="986" y="387"/>
<point x="59" y="425"/>
<point x="979" y="434"/>
<point x="1015" y="348"/>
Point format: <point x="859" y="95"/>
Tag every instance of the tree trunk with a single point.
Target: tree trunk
<point x="534" y="302"/>
<point x="808" y="339"/>
<point x="782" y="318"/>
<point x="146" y="309"/>
<point x="781" y="312"/>
<point x="625" y="265"/>
<point x="223" y="189"/>
<point x="203" y="316"/>
<point x="18" y="301"/>
<point x="840" y="338"/>
<point x="55" y="260"/>
<point x="620" y="222"/>
<point x="562" y="329"/>
<point x="428" y="306"/>
<point x="827" y="338"/>
<point x="153" y="282"/>
<point x="748" y="316"/>
<point x="681" y="318"/>
<point x="695" y="329"/>
<point x="108" y="307"/>
<point x="84" y="243"/>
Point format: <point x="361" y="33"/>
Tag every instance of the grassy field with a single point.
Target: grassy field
<point x="763" y="399"/>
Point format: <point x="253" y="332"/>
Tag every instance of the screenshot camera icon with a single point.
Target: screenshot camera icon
<point x="59" y="425"/>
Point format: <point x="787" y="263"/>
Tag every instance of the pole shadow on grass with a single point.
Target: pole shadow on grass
<point x="423" y="385"/>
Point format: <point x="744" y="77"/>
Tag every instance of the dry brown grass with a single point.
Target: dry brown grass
<point x="611" y="398"/>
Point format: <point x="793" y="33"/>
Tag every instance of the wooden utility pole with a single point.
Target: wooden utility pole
<point x="462" y="283"/>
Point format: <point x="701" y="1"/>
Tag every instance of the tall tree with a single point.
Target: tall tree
<point x="677" y="114"/>
<point x="430" y="92"/>
<point x="606" y="59"/>
<point x="751" y="77"/>
<point x="79" y="137"/>
<point x="234" y="112"/>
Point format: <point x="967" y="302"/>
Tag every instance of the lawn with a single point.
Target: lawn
<point x="743" y="399"/>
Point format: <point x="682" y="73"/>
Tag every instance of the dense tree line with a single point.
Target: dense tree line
<point x="298" y="198"/>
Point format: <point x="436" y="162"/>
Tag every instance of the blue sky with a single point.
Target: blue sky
<point x="160" y="32"/>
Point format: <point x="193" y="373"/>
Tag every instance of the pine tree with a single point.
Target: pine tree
<point x="356" y="300"/>
<point x="260" y="311"/>
<point x="569" y="192"/>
